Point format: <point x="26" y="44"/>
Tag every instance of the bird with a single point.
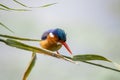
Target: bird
<point x="53" y="39"/>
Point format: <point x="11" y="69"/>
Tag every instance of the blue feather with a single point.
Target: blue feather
<point x="60" y="34"/>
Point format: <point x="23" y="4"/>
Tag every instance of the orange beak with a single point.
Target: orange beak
<point x="67" y="47"/>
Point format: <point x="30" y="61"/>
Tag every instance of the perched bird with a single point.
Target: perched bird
<point x="53" y="40"/>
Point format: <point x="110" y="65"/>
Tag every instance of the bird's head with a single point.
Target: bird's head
<point x="57" y="35"/>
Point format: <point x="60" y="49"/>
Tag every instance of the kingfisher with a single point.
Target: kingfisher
<point x="53" y="40"/>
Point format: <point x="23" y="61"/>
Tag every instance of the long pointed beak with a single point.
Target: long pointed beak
<point x="67" y="47"/>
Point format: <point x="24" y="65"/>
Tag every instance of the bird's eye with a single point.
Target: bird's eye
<point x="51" y="34"/>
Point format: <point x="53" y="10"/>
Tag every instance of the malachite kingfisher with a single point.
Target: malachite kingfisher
<point x="53" y="40"/>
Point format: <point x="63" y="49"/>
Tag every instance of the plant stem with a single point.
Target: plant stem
<point x="23" y="46"/>
<point x="99" y="65"/>
<point x="18" y="38"/>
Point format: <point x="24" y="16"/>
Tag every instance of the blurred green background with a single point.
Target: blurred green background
<point x="92" y="26"/>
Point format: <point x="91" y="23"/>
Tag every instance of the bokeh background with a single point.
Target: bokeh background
<point x="92" y="27"/>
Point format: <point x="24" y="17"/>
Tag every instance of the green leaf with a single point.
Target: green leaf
<point x="47" y="5"/>
<point x="20" y="45"/>
<point x="18" y="38"/>
<point x="88" y="57"/>
<point x="20" y="9"/>
<point x="4" y="6"/>
<point x="30" y="66"/>
<point x="4" y="41"/>
<point x="20" y="3"/>
<point x="3" y="9"/>
<point x="8" y="8"/>
<point x="6" y="27"/>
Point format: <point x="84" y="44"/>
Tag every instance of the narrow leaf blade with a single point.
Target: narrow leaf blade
<point x="47" y="5"/>
<point x="89" y="57"/>
<point x="6" y="27"/>
<point x="20" y="3"/>
<point x="4" y="6"/>
<point x="3" y="9"/>
<point x="18" y="38"/>
<point x="8" y="8"/>
<point x="30" y="66"/>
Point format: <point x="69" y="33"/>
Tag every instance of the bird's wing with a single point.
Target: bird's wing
<point x="45" y="34"/>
